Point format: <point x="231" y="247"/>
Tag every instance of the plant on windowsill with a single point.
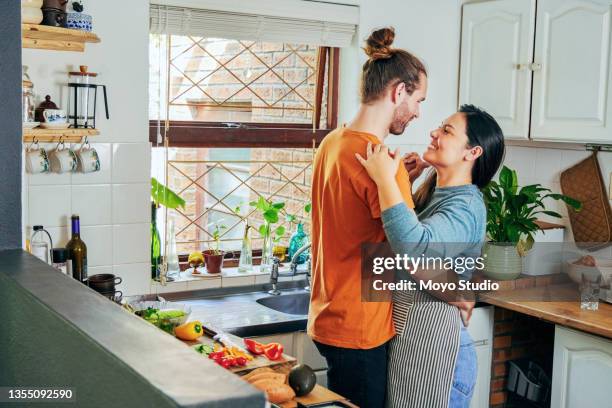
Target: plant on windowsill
<point x="270" y="212"/>
<point x="512" y="213"/>
<point x="213" y="257"/>
<point x="160" y="195"/>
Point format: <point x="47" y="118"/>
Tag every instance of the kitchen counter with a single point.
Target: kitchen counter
<point x="563" y="312"/>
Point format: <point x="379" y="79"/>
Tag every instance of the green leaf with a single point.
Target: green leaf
<point x="308" y="208"/>
<point x="162" y="195"/>
<point x="271" y="216"/>
<point x="508" y="180"/>
<point x="263" y="230"/>
<point x="280" y="231"/>
<point x="290" y="218"/>
<point x="278" y="206"/>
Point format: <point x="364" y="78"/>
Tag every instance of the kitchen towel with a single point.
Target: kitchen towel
<point x="592" y="226"/>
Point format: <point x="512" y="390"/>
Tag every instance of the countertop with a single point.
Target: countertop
<point x="558" y="311"/>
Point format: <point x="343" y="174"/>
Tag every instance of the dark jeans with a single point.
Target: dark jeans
<point x="358" y="375"/>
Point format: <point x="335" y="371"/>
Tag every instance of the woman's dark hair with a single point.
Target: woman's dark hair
<point x="482" y="130"/>
<point x="387" y="66"/>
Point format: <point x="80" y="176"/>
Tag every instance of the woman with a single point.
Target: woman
<point x="432" y="362"/>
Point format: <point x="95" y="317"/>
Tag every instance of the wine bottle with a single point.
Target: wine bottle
<point x="156" y="260"/>
<point x="78" y="252"/>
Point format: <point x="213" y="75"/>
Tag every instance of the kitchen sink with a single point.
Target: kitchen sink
<point x="295" y="304"/>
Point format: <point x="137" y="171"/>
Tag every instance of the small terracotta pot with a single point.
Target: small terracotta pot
<point x="214" y="262"/>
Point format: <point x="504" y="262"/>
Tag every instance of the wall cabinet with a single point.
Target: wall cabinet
<point x="582" y="370"/>
<point x="544" y="78"/>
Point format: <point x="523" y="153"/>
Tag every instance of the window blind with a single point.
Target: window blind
<point x="166" y="19"/>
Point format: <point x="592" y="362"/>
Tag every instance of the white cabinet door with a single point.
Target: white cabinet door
<point x="496" y="51"/>
<point x="572" y="91"/>
<point x="307" y="353"/>
<point x="582" y="370"/>
<point x="481" y="331"/>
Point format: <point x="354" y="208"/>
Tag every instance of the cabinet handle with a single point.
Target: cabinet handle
<point x="532" y="67"/>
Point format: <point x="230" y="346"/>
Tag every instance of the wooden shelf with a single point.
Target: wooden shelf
<point x="54" y="135"/>
<point x="55" y="38"/>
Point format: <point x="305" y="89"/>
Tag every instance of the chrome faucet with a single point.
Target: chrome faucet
<point x="274" y="277"/>
<point x="274" y="273"/>
<point x="293" y="266"/>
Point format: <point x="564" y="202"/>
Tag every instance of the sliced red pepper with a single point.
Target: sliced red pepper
<point x="241" y="361"/>
<point x="254" y="347"/>
<point x="227" y="362"/>
<point x="274" y="351"/>
<point x="216" y="355"/>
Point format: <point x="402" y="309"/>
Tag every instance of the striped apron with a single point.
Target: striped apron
<point x="422" y="355"/>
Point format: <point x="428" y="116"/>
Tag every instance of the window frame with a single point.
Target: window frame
<point x="249" y="134"/>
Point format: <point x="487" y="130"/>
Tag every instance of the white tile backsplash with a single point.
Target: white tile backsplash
<point x="99" y="241"/>
<point x="49" y="205"/>
<point x="92" y="203"/>
<point x="131" y="243"/>
<point x="131" y="162"/>
<point x="135" y="278"/>
<point x="130" y="202"/>
<point x="97" y="177"/>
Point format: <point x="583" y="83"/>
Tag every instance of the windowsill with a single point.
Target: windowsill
<point x="229" y="277"/>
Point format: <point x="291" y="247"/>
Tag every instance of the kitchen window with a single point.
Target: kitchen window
<point x="232" y="119"/>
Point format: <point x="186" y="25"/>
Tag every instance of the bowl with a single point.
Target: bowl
<point x="603" y="268"/>
<point x="146" y="310"/>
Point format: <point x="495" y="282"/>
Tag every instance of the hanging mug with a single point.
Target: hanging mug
<point x="88" y="158"/>
<point x="36" y="159"/>
<point x="63" y="159"/>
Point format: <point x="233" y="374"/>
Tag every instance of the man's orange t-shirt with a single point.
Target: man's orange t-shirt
<point x="345" y="214"/>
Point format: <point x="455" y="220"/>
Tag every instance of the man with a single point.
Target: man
<point x="352" y="335"/>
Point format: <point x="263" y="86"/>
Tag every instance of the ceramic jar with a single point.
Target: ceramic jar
<point x="31" y="12"/>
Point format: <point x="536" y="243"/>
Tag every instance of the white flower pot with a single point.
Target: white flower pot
<point x="502" y="261"/>
<point x="31" y="12"/>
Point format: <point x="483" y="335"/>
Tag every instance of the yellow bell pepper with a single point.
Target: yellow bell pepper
<point x="189" y="330"/>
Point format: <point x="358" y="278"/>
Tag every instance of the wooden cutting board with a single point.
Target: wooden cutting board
<point x="282" y="366"/>
<point x="317" y="396"/>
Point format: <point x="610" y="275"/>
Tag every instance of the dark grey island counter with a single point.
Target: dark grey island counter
<point x="58" y="333"/>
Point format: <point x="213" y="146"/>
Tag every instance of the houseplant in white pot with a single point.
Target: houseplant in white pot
<point x="512" y="212"/>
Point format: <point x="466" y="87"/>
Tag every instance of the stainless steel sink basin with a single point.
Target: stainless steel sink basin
<point x="295" y="303"/>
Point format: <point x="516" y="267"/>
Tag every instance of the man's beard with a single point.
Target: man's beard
<point x="398" y="126"/>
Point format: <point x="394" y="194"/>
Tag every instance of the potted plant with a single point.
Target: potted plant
<point x="269" y="234"/>
<point x="213" y="257"/>
<point x="512" y="213"/>
<point x="160" y="195"/>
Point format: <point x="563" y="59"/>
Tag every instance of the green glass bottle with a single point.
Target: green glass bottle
<point x="155" y="244"/>
<point x="78" y="252"/>
<point x="298" y="240"/>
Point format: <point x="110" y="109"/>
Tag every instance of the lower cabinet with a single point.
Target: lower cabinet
<point x="481" y="331"/>
<point x="582" y="370"/>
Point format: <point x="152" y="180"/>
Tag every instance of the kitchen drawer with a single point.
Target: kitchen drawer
<point x="307" y="353"/>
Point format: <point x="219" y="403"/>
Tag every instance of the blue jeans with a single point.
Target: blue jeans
<point x="466" y="371"/>
<point x="359" y="375"/>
